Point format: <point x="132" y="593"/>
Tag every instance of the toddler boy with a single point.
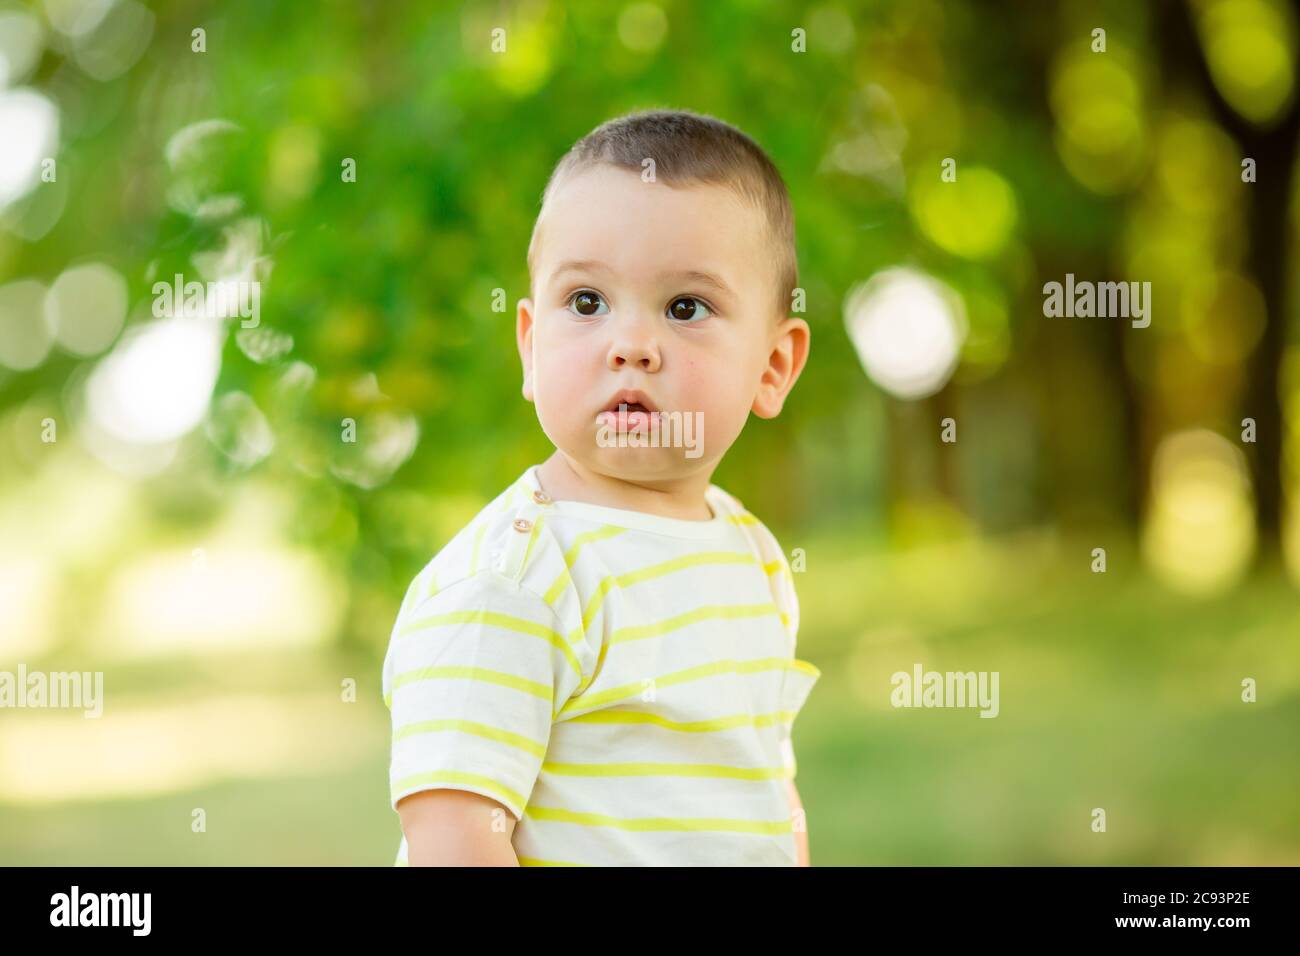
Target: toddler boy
<point x="600" y="668"/>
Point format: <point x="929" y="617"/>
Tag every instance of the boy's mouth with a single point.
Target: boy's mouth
<point x="629" y="410"/>
<point x="632" y="400"/>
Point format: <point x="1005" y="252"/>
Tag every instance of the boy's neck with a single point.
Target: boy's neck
<point x="567" y="480"/>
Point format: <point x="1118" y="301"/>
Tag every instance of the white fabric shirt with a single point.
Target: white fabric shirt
<point x="624" y="684"/>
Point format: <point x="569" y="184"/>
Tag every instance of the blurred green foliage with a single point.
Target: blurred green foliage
<point x="385" y="285"/>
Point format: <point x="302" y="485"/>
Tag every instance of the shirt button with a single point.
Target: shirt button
<point x="522" y="524"/>
<point x="541" y="497"/>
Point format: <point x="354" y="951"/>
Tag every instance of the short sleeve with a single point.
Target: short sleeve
<point x="473" y="677"/>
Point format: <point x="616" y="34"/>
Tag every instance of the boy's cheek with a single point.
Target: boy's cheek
<point x="720" y="398"/>
<point x="723" y="428"/>
<point x="564" y="374"/>
<point x="563" y="400"/>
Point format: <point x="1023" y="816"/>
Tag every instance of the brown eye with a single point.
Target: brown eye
<point x="686" y="308"/>
<point x="587" y="303"/>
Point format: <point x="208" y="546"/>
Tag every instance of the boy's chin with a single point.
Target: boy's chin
<point x="643" y="464"/>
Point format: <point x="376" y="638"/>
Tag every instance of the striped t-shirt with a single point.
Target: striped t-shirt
<point x="623" y="683"/>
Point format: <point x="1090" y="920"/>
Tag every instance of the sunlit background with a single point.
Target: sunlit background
<point x="179" y="508"/>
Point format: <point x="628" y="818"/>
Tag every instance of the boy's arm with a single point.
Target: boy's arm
<point x="455" y="828"/>
<point x="801" y="832"/>
<point x="482" y="625"/>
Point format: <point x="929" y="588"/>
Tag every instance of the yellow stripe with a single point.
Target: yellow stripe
<point x="506" y="795"/>
<point x="533" y="861"/>
<point x="486" y="731"/>
<point x="638" y="632"/>
<point x="543" y="691"/>
<point x="571" y="556"/>
<point x="805" y="668"/>
<point x="644" y="824"/>
<point x="685" y="726"/>
<point x="665" y="770"/>
<point x="629" y="578"/>
<point x="494" y="619"/>
<point x="523" y="861"/>
<point x="597" y="599"/>
<point x="746" y="518"/>
<point x="605" y="531"/>
<point x="679" y="677"/>
<point x="556" y="589"/>
<point x="685" y="561"/>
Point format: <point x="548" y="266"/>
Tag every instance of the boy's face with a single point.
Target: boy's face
<point x="667" y="291"/>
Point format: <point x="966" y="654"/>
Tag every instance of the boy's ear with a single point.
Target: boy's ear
<point x="786" y="360"/>
<point x="524" y="340"/>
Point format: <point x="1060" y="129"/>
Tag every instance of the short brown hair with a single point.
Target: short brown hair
<point x="689" y="148"/>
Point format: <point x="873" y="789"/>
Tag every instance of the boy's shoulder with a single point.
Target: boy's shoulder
<point x="508" y="545"/>
<point x="769" y="553"/>
<point x="761" y="537"/>
<point x="478" y="547"/>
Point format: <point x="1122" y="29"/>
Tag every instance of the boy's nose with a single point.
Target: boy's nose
<point x="634" y="344"/>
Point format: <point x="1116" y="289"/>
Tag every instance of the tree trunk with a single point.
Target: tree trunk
<point x="1273" y="149"/>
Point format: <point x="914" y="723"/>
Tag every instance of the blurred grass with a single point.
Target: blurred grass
<point x="1114" y="694"/>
